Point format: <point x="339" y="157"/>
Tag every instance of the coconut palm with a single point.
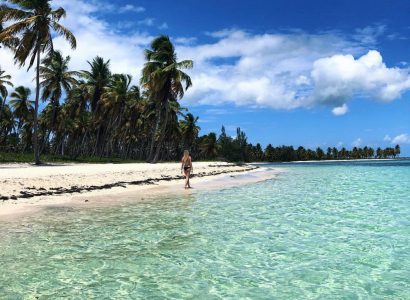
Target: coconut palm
<point x="116" y="96"/>
<point x="97" y="79"/>
<point x="190" y="129"/>
<point x="114" y="101"/>
<point x="163" y="78"/>
<point x="56" y="79"/>
<point x="8" y="42"/>
<point x="209" y="146"/>
<point x="7" y="124"/>
<point x="4" y="80"/>
<point x="35" y="25"/>
<point x="22" y="105"/>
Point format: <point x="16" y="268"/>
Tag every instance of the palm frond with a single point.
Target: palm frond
<point x="67" y="34"/>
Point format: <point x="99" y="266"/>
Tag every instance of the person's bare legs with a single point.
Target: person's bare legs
<point x="186" y="178"/>
<point x="187" y="174"/>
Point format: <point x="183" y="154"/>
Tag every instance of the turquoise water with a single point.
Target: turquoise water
<point x="324" y="231"/>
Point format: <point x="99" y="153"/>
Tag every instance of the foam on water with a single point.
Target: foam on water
<point x="338" y="230"/>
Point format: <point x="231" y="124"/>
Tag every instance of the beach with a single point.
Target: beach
<point x="26" y="188"/>
<point x="313" y="230"/>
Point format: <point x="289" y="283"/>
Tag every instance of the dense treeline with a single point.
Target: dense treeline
<point x="97" y="113"/>
<point x="103" y="115"/>
<point x="90" y="112"/>
<point x="238" y="149"/>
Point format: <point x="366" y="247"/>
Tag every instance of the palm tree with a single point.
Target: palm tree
<point x="21" y="103"/>
<point x="131" y="127"/>
<point x="55" y="79"/>
<point x="396" y="150"/>
<point x="4" y="80"/>
<point x="97" y="79"/>
<point x="190" y="129"/>
<point x="163" y="78"/>
<point x="209" y="146"/>
<point x="114" y="102"/>
<point x="35" y="24"/>
<point x="8" y="42"/>
<point x="7" y="124"/>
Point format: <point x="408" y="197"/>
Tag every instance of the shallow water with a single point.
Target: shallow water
<point x="339" y="230"/>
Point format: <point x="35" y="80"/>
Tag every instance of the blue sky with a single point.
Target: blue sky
<point x="311" y="73"/>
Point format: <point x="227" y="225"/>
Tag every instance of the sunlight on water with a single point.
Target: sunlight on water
<point x="317" y="231"/>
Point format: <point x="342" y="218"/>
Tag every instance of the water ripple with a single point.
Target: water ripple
<point x="315" y="232"/>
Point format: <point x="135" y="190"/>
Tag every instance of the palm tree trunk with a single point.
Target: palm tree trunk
<point x="161" y="137"/>
<point x="154" y="131"/>
<point x="3" y="104"/>
<point x="35" y="137"/>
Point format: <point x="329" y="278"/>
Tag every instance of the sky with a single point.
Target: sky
<point x="312" y="73"/>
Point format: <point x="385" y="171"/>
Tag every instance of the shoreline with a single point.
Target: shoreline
<point x="30" y="189"/>
<point x="328" y="160"/>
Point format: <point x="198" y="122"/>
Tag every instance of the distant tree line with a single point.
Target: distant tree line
<point x="238" y="149"/>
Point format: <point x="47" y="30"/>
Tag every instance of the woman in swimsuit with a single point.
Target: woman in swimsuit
<point x="186" y="167"/>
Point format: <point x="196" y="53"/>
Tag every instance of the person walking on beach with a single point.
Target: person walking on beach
<point x="186" y="167"/>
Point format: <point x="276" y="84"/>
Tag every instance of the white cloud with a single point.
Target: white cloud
<point x="279" y="71"/>
<point x="370" y="34"/>
<point x="387" y="138"/>
<point x="94" y="37"/>
<point x="185" y="40"/>
<point x="302" y="80"/>
<point x="401" y="139"/>
<point x="341" y="110"/>
<point x="131" y="8"/>
<point x="269" y="70"/>
<point x="147" y="22"/>
<point x="338" y="78"/>
<point x="287" y="71"/>
<point x="357" y="142"/>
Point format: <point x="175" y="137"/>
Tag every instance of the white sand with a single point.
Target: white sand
<point x="106" y="182"/>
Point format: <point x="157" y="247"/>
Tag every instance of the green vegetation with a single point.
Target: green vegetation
<point x="89" y="113"/>
<point x="30" y="37"/>
<point x="12" y="157"/>
<point x="238" y="149"/>
<point x="96" y="116"/>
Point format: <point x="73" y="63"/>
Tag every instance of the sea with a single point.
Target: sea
<point x="327" y="230"/>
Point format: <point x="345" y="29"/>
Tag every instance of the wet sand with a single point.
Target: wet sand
<point x="26" y="189"/>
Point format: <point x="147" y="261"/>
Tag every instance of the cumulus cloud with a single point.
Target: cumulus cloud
<point x="279" y="71"/>
<point x="287" y="71"/>
<point x="268" y="70"/>
<point x="401" y="139"/>
<point x="341" y="110"/>
<point x="94" y="37"/>
<point x="339" y="77"/>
